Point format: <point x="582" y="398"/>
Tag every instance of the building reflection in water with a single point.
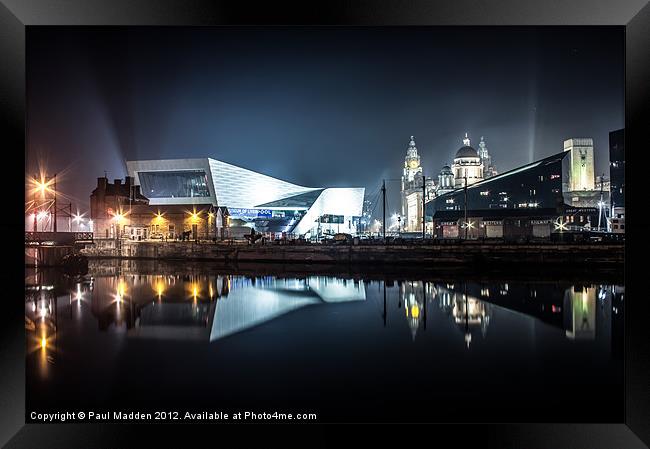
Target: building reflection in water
<point x="580" y="313"/>
<point x="207" y="307"/>
<point x="255" y="301"/>
<point x="412" y="295"/>
<point x="471" y="306"/>
<point x="469" y="313"/>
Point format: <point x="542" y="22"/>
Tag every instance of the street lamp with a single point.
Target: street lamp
<point x="42" y="184"/>
<point x="468" y="225"/>
<point x="560" y="225"/>
<point x="600" y="212"/>
<point x="78" y="220"/>
<point x="209" y="226"/>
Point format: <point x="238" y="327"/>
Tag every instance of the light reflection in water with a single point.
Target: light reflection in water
<point x="92" y="330"/>
<point x="154" y="306"/>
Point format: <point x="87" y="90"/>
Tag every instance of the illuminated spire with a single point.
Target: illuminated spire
<point x="412" y="151"/>
<point x="483" y="151"/>
<point x="466" y="140"/>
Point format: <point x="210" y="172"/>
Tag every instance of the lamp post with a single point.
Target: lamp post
<point x="383" y="192"/>
<point x="35" y="211"/>
<point x="209" y="229"/>
<point x="424" y="204"/>
<point x="466" y="222"/>
<point x="600" y="202"/>
<point x="54" y="202"/>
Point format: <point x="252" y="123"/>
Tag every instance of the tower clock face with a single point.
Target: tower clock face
<point x="413" y="163"/>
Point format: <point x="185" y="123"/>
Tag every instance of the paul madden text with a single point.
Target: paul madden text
<point x="169" y="415"/>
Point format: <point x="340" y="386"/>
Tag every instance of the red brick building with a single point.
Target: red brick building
<point x="120" y="210"/>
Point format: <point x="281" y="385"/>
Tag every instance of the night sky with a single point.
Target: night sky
<point x="315" y="106"/>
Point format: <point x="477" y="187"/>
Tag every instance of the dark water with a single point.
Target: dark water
<point x="408" y="349"/>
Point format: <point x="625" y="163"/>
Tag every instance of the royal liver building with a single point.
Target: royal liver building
<point x="468" y="164"/>
<point x="411" y="189"/>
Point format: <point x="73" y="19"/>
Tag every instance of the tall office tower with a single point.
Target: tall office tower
<point x="581" y="163"/>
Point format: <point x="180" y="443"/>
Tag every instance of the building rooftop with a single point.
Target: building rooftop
<point x="466" y="151"/>
<point x="495" y="213"/>
<point x="126" y="189"/>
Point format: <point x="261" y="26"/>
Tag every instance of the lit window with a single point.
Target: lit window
<point x="485" y="193"/>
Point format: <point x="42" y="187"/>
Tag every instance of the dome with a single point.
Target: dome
<point x="446" y="170"/>
<point x="466" y="151"/>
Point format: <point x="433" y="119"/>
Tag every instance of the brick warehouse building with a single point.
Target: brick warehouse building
<point x="109" y="201"/>
<point x="119" y="209"/>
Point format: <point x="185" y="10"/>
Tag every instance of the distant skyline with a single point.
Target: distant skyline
<point x="326" y="106"/>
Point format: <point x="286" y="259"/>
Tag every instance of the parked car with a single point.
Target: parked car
<point x="342" y="238"/>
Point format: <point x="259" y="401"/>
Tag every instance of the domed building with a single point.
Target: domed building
<point x="445" y="180"/>
<point x="467" y="165"/>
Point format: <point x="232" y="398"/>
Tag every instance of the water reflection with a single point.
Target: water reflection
<point x="209" y="307"/>
<point x="134" y="335"/>
<point x="470" y="306"/>
<point x="40" y="324"/>
<point x="215" y="306"/>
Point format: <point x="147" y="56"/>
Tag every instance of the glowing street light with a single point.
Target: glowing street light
<point x="560" y="225"/>
<point x="42" y="185"/>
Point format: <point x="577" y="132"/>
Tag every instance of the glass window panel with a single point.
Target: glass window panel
<point x="174" y="184"/>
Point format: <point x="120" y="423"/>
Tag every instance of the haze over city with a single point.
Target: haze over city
<point x="318" y="106"/>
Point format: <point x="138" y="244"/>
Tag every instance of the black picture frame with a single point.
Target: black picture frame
<point x="634" y="15"/>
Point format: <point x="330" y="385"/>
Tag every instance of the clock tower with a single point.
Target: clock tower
<point x="412" y="167"/>
<point x="411" y="187"/>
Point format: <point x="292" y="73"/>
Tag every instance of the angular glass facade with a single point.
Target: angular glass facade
<point x="269" y="204"/>
<point x="303" y="200"/>
<point x="533" y="186"/>
<point x="174" y="184"/>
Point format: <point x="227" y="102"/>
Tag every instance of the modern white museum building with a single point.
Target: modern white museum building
<point x="253" y="199"/>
